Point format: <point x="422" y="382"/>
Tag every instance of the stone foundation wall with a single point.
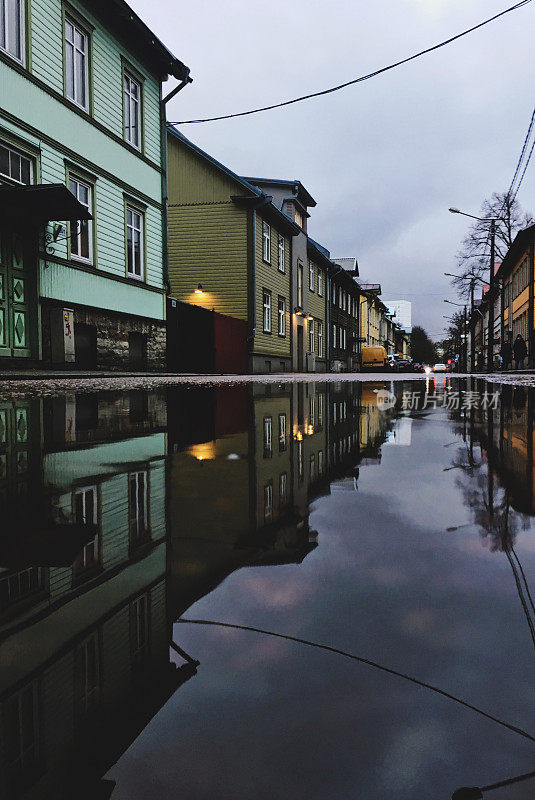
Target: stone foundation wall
<point x="112" y="338"/>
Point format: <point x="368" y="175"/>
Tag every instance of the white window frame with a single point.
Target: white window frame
<point x="320" y="283"/>
<point x="320" y="410"/>
<point x="268" y="502"/>
<point x="312" y="467"/>
<point x="266" y="241"/>
<point x="6" y="45"/>
<point x="28" y="756"/>
<point x="283" y="488"/>
<point x="139" y="516"/>
<point x="334" y="333"/>
<point x="139" y="648"/>
<point x="282" y="432"/>
<point x="268" y="437"/>
<point x="311" y="344"/>
<point x="80" y="183"/>
<point x="95" y="542"/>
<point x="300" y="285"/>
<point x="320" y="338"/>
<point x="281" y="311"/>
<point x="71" y="45"/>
<point x="282" y="253"/>
<point x="266" y="304"/>
<point x="90" y="694"/>
<point x="13" y="154"/>
<point x="130" y="103"/>
<point x="132" y="228"/>
<point x="311" y="276"/>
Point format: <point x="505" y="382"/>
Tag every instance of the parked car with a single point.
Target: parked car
<point x="439" y="368"/>
<point x="418" y="367"/>
<point x="374" y="358"/>
<point x="404" y="365"/>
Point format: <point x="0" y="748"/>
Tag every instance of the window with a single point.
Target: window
<point x="76" y="64"/>
<point x="268" y="437"/>
<point x="298" y="218"/>
<point x="283" y="489"/>
<point x="86" y="675"/>
<point x="312" y="411"/>
<point x="300" y="460"/>
<point x="282" y="433"/>
<point x="334" y="295"/>
<point x="132" y="111"/>
<point x="82" y="231"/>
<point x="320" y="462"/>
<point x="21" y="742"/>
<point x="320" y="410"/>
<point x="86" y="513"/>
<point x="320" y="282"/>
<point x="282" y="253"/>
<point x="268" y="502"/>
<point x="300" y="285"/>
<point x="15" y="165"/>
<point x="282" y="316"/>
<point x="344" y="339"/>
<point x="18" y="586"/>
<point x="139" y="630"/>
<point x="12" y="28"/>
<point x="135" y="257"/>
<point x="266" y="242"/>
<point x="312" y="467"/>
<point x="267" y="311"/>
<point x="320" y="338"/>
<point x="311" y="336"/>
<point x="334" y="335"/>
<point x="311" y="276"/>
<point x="138" y="500"/>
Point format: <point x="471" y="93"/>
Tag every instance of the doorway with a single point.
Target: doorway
<point x="85" y="343"/>
<point x="18" y="327"/>
<point x="300" y="342"/>
<point x="137" y="350"/>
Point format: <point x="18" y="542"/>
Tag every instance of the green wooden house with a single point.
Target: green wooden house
<point x="82" y="185"/>
<point x="230" y="251"/>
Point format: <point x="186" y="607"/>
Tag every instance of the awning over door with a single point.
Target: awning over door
<point x="36" y="205"/>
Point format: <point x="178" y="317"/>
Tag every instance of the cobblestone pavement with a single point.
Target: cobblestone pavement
<point x="48" y="387"/>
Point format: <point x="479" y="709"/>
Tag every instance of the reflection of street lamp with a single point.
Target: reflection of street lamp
<point x="490" y="327"/>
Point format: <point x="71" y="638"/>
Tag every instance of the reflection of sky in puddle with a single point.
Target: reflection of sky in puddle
<point x="272" y="719"/>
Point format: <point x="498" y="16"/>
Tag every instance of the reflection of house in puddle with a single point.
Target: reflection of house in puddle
<point x="506" y="436"/>
<point x="239" y="496"/>
<point x="84" y="637"/>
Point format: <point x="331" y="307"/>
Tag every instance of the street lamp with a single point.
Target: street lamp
<point x="490" y="327"/>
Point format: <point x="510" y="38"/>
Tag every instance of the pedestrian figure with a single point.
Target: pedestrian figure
<point x="507" y="354"/>
<point x="520" y="351"/>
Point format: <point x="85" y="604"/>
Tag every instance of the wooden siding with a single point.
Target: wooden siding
<point x="269" y="277"/>
<point x="269" y="469"/>
<point x="106" y="69"/>
<point x="317" y="307"/>
<point x="208" y="245"/>
<point x="194" y="180"/>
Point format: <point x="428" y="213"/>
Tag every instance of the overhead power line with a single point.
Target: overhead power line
<point x="521" y="158"/>
<point x="362" y="77"/>
<point x="367" y="662"/>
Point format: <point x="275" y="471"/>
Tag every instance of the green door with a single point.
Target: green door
<point x="15" y="450"/>
<point x="15" y="296"/>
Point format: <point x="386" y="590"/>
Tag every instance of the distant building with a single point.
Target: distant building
<point x="401" y="310"/>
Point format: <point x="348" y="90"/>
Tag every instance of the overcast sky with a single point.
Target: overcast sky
<point x="384" y="159"/>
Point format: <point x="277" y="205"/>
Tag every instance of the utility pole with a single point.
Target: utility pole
<point x="490" y="329"/>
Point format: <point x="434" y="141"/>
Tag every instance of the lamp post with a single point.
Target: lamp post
<point x="473" y="279"/>
<point x="490" y="325"/>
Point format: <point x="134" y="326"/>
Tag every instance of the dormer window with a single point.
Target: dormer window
<point x="298" y="218"/>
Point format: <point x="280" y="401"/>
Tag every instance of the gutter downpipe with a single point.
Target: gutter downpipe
<point x="165" y="194"/>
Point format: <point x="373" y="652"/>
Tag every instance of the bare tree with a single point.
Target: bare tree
<point x="473" y="258"/>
